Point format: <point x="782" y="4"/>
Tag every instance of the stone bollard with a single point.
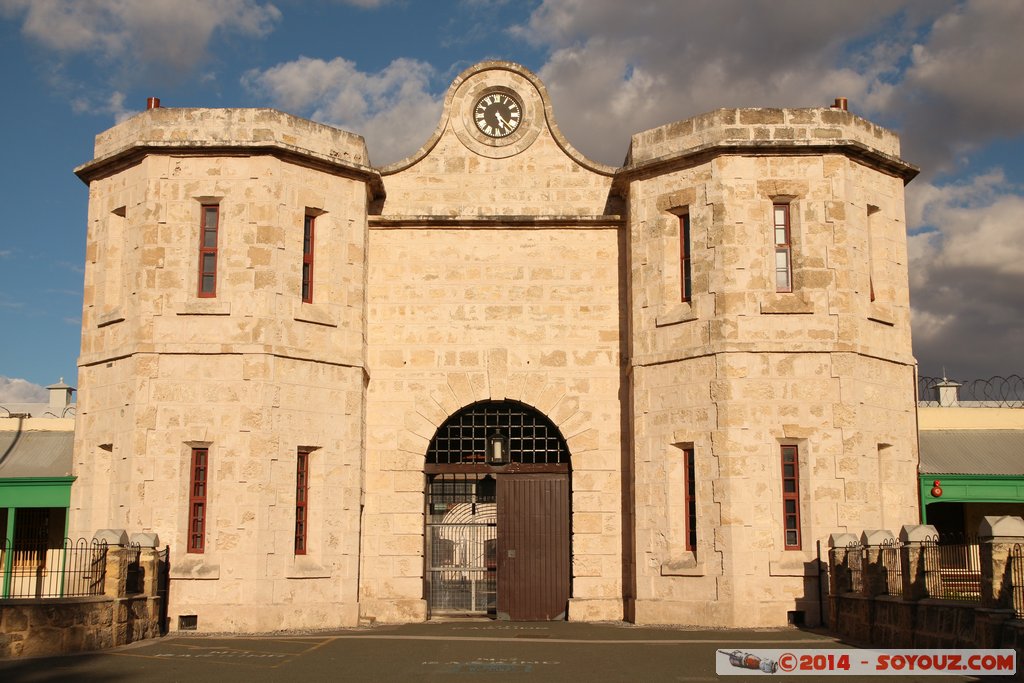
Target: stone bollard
<point x="116" y="578"/>
<point x="149" y="560"/>
<point x="840" y="578"/>
<point x="875" y="578"/>
<point x="918" y="540"/>
<point x="997" y="536"/>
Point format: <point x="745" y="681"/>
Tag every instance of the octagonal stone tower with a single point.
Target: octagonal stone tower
<point x="772" y="360"/>
<point x="245" y="374"/>
<point x="304" y="373"/>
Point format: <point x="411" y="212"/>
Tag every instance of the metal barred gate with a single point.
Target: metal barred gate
<point x="461" y="537"/>
<point x="498" y="533"/>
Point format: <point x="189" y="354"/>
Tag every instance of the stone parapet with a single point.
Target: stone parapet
<point x="767" y="128"/>
<point x="171" y="128"/>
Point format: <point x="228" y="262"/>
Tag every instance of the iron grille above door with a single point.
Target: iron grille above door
<point x="532" y="438"/>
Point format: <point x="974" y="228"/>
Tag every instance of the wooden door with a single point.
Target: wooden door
<point x="533" y="546"/>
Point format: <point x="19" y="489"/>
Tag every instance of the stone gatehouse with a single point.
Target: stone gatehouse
<point x="494" y="378"/>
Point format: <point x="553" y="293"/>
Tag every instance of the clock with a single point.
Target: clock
<point x="497" y="114"/>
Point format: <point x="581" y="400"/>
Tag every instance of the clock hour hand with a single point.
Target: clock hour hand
<point x="503" y="122"/>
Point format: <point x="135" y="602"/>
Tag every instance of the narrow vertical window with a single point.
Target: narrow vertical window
<point x="791" y="496"/>
<point x="783" y="249"/>
<point x="691" y="499"/>
<point x="197" y="500"/>
<point x="307" y="259"/>
<point x="873" y="216"/>
<point x="301" y="499"/>
<point x="684" y="257"/>
<point x="208" y="250"/>
<point x="113" y="260"/>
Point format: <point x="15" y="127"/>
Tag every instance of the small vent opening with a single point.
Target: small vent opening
<point x="188" y="622"/>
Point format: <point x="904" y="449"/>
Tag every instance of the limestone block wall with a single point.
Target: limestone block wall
<point x="533" y="173"/>
<point x="739" y="369"/>
<point x="253" y="373"/>
<point x="460" y="315"/>
<point x="496" y="272"/>
<point x="540" y="181"/>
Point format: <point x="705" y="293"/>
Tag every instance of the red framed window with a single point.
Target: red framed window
<point x="791" y="496"/>
<point x="301" y="499"/>
<point x="307" y="259"/>
<point x="684" y="257"/>
<point x="690" y="499"/>
<point x="209" y="223"/>
<point x="197" y="490"/>
<point x="783" y="249"/>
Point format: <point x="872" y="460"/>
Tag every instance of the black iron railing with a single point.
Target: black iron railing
<point x="133" y="571"/>
<point x="1017" y="576"/>
<point x="37" y="570"/>
<point x="891" y="553"/>
<point x="956" y="568"/>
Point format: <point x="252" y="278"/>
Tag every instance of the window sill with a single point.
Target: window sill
<point x="306" y="569"/>
<point x="203" y="307"/>
<point x="195" y="568"/>
<point x="109" y="317"/>
<point x="880" y="313"/>
<point x="686" y="565"/>
<point x="793" y="563"/>
<point x="314" y="313"/>
<point x="794" y="303"/>
<point x="673" y="315"/>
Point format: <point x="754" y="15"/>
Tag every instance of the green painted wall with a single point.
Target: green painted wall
<point x="48" y="492"/>
<point x="970" y="488"/>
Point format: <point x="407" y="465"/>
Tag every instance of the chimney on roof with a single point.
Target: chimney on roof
<point x="947" y="393"/>
<point x="60" y="395"/>
<point x="841" y="103"/>
<point x="152" y="103"/>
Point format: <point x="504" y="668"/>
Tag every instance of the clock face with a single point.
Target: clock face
<point x="497" y="114"/>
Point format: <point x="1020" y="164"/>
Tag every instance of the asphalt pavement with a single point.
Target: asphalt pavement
<point x="468" y="651"/>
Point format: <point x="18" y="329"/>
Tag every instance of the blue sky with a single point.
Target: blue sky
<point x="947" y="75"/>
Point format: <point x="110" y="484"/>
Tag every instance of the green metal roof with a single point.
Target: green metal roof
<point x="35" y="454"/>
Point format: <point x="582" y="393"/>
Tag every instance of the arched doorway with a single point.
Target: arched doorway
<point x="498" y="515"/>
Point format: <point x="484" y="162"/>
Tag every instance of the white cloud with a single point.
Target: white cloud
<point x="10" y="304"/>
<point x="392" y="108"/>
<point x="365" y="4"/>
<point x="947" y="74"/>
<point x="963" y="88"/>
<point x="617" y="68"/>
<point x="15" y="390"/>
<point x="170" y="36"/>
<point x="967" y="275"/>
<point x="114" y="105"/>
